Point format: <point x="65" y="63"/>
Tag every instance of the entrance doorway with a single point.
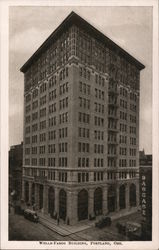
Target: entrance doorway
<point x="122" y="198"/>
<point x="82" y="205"/>
<point x="51" y="201"/>
<point x="111" y="199"/>
<point x="62" y="204"/>
<point x="98" y="200"/>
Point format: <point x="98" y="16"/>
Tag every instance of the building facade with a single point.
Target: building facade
<point x="81" y="124"/>
<point x="145" y="180"/>
<point x="15" y="171"/>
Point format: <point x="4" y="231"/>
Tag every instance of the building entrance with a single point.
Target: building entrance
<point x="122" y="198"/>
<point x="26" y="191"/>
<point x="132" y="195"/>
<point x="40" y="196"/>
<point x="98" y="198"/>
<point x="51" y="201"/>
<point x="83" y="205"/>
<point x="33" y="194"/>
<point x="111" y="199"/>
<point x="62" y="204"/>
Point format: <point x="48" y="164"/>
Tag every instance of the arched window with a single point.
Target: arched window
<point x="62" y="204"/>
<point x="132" y="195"/>
<point x="111" y="199"/>
<point x="51" y="201"/>
<point x="83" y="205"/>
<point x="98" y="201"/>
<point x="41" y="196"/>
<point x="33" y="193"/>
<point x="122" y="200"/>
<point x="26" y="191"/>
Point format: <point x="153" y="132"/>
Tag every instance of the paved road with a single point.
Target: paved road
<point x="23" y="229"/>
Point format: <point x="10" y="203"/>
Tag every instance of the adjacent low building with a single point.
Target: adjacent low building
<point x="15" y="171"/>
<point x="146" y="193"/>
<point x="81" y="124"/>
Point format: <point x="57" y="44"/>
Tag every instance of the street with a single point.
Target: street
<point x="25" y="230"/>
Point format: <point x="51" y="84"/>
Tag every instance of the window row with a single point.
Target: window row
<point x="83" y="177"/>
<point x="123" y="139"/>
<point x="52" y="108"/>
<point x="64" y="73"/>
<point x="132" y="118"/>
<point x="63" y="118"/>
<point x="63" y="176"/>
<point x="83" y="147"/>
<point x="52" y="95"/>
<point x="52" y="81"/>
<point x="99" y="80"/>
<point x="63" y="133"/>
<point x="63" y="162"/>
<point x="52" y="162"/>
<point x="98" y="176"/>
<point x="98" y="149"/>
<point x="82" y="117"/>
<point x="63" y="147"/>
<point x="123" y="127"/>
<point x="132" y="141"/>
<point x="123" y="151"/>
<point x="52" y="148"/>
<point x="99" y="108"/>
<point x="98" y="162"/>
<point x="98" y="121"/>
<point x="84" y="88"/>
<point x="99" y="135"/>
<point x="83" y="132"/>
<point x="99" y="94"/>
<point x="123" y="92"/>
<point x="123" y="115"/>
<point x="83" y="162"/>
<point x="64" y="103"/>
<point x="123" y="104"/>
<point x="84" y="103"/>
<point x="132" y="151"/>
<point x="122" y="163"/>
<point x="132" y="130"/>
<point x="83" y="72"/>
<point x="64" y="88"/>
<point x="42" y="100"/>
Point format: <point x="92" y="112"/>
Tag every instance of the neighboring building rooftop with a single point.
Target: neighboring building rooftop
<point x="145" y="159"/>
<point x="73" y="18"/>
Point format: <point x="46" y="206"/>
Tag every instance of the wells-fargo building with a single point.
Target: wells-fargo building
<point x="81" y="124"/>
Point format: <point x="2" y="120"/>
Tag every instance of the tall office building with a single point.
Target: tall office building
<point x="81" y="124"/>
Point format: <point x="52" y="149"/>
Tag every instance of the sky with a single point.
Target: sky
<point x="129" y="27"/>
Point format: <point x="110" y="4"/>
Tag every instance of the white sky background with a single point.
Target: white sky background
<point x="129" y="27"/>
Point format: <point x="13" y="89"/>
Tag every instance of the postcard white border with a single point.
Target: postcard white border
<point x="4" y="6"/>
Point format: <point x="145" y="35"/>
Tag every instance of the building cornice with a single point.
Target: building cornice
<point x="74" y="19"/>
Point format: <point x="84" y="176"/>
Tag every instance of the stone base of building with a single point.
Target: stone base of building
<point x="73" y="205"/>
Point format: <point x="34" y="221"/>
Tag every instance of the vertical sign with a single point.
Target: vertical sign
<point x="143" y="195"/>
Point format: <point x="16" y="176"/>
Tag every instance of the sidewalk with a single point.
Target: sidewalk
<point x="65" y="230"/>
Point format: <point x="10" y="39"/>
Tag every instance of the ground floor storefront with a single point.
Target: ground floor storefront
<point x="77" y="204"/>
